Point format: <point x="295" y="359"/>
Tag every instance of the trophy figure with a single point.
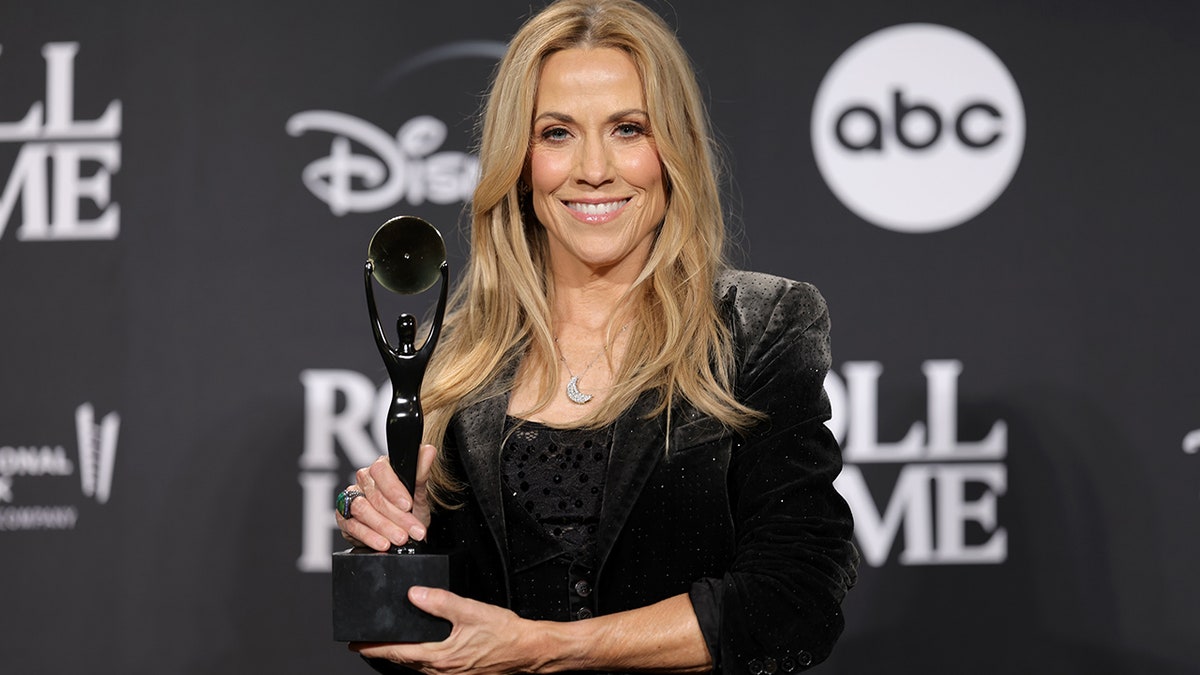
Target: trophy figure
<point x="370" y="588"/>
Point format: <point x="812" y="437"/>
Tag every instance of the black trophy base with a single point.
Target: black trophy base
<point x="370" y="594"/>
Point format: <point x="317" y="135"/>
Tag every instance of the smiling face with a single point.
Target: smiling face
<point x="598" y="185"/>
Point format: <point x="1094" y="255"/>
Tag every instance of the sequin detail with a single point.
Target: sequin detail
<point x="556" y="475"/>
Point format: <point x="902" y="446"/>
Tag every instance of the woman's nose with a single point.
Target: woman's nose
<point x="594" y="165"/>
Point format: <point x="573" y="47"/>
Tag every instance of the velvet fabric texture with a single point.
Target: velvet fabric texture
<point x="748" y="524"/>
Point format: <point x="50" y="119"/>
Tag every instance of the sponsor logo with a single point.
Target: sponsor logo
<point x="97" y="451"/>
<point x="63" y="163"/>
<point x="918" y="128"/>
<point x="369" y="169"/>
<point x="404" y="168"/>
<point x="96" y="456"/>
<point x="944" y="498"/>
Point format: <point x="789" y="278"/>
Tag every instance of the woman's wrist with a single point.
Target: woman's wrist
<point x="558" y="646"/>
<point x="664" y="636"/>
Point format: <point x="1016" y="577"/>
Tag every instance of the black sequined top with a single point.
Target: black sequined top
<point x="553" y="489"/>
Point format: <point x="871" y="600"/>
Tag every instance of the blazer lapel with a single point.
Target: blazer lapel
<point x="638" y="445"/>
<point x="480" y="432"/>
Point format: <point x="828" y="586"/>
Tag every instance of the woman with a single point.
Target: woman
<point x="626" y="437"/>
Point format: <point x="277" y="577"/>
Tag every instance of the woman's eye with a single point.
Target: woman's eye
<point x="555" y="134"/>
<point x="629" y="129"/>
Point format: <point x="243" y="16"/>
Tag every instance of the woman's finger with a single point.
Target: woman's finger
<point x="356" y="530"/>
<point x="425" y="457"/>
<point x="391" y="498"/>
<point x="388" y="490"/>
<point x="441" y="603"/>
<point x="371" y="527"/>
<point x="485" y="638"/>
<point x="359" y="534"/>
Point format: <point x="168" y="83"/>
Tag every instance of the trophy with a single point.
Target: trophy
<point x="370" y="588"/>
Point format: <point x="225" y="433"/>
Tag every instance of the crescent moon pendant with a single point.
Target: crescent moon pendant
<point x="574" y="394"/>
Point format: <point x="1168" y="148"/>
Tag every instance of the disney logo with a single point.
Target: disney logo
<point x="403" y="168"/>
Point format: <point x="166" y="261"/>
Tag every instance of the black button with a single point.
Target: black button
<point x="583" y="613"/>
<point x="804" y="658"/>
<point x="583" y="588"/>
<point x="755" y="666"/>
<point x="788" y="664"/>
<point x="769" y="666"/>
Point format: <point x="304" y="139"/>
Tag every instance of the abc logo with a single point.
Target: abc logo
<point x="918" y="128"/>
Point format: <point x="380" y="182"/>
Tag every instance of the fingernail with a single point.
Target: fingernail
<point x="418" y="593"/>
<point x="418" y="532"/>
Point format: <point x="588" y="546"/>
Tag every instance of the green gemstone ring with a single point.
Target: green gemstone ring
<point x="344" y="499"/>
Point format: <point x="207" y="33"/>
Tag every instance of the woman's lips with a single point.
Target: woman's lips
<point x="596" y="212"/>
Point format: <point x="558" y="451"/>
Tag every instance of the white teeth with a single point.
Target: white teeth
<point x="596" y="209"/>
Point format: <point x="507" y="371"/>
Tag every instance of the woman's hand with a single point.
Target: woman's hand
<point x="490" y="640"/>
<point x="387" y="514"/>
<point x="485" y="639"/>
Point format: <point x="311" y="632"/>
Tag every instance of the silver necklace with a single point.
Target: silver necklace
<point x="573" y="392"/>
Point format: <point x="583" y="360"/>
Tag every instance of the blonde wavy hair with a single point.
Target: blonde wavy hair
<point x="678" y="345"/>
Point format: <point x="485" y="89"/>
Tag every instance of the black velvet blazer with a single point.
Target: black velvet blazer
<point x="748" y="524"/>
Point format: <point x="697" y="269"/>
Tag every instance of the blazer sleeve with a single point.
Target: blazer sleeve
<point x="778" y="607"/>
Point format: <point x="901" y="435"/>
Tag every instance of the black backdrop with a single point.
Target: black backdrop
<point x="187" y="376"/>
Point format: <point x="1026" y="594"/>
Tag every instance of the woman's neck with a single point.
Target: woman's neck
<point x="590" y="301"/>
